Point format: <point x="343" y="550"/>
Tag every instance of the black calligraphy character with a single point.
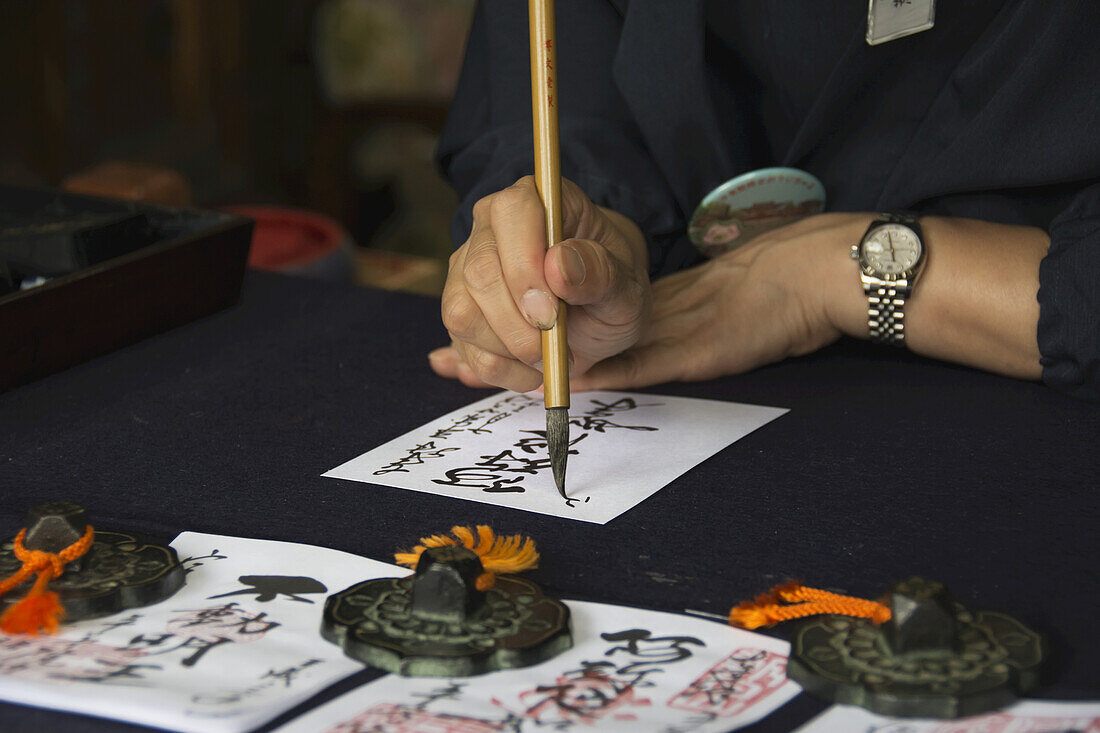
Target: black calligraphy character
<point x="268" y="587"/>
<point x="190" y="563"/>
<point x="200" y="646"/>
<point x="582" y="697"/>
<point x="113" y="671"/>
<point x="456" y="426"/>
<point x="144" y="642"/>
<point x="653" y="651"/>
<point x="453" y="691"/>
<point x="476" y="477"/>
<point x="507" y="462"/>
<point x="414" y="457"/>
<point x="537" y="444"/>
<point x="601" y="425"/>
<point x="111" y="626"/>
<point x="287" y="675"/>
<point x="231" y="618"/>
<point x="496" y="412"/>
<point x="604" y="409"/>
<point x="207" y="628"/>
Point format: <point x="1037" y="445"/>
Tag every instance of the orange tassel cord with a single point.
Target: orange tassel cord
<point x="39" y="610"/>
<point x="794" y="600"/>
<point x="511" y="554"/>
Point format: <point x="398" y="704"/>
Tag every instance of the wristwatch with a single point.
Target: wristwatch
<point x="890" y="257"/>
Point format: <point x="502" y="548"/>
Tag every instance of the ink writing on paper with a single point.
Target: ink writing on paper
<point x="281" y="678"/>
<point x="416" y="456"/>
<point x="267" y="588"/>
<point x="610" y="686"/>
<point x="490" y="474"/>
<point x="192" y="562"/>
<point x="735" y="684"/>
<point x="478" y="422"/>
<point x="506" y="471"/>
<point x="84" y="660"/>
<point x="494" y="451"/>
<point x="195" y="633"/>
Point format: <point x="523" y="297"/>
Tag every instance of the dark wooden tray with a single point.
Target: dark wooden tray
<point x="194" y="267"/>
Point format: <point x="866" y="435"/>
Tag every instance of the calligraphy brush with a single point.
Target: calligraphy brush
<point x="544" y="111"/>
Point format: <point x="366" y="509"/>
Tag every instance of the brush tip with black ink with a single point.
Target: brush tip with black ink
<point x="557" y="441"/>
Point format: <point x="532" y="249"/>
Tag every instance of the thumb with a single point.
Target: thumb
<point x="585" y="273"/>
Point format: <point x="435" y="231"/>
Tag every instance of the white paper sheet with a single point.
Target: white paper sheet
<point x="623" y="449"/>
<point x="236" y="646"/>
<point x="629" y="670"/>
<point x="1026" y="716"/>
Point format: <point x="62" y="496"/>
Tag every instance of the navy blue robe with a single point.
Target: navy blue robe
<point x="993" y="114"/>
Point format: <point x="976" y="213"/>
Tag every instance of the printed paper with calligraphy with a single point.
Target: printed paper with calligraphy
<point x="1026" y="716"/>
<point x="622" y="449"/>
<point x="628" y="670"/>
<point x="235" y="647"/>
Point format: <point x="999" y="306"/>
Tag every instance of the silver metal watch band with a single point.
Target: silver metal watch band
<point x="886" y="304"/>
<point x="886" y="316"/>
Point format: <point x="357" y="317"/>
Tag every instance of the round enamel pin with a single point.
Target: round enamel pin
<point x="751" y="204"/>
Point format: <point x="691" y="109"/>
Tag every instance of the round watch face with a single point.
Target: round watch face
<point x="890" y="250"/>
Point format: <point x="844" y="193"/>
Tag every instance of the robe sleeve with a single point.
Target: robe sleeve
<point x="1069" y="299"/>
<point x="487" y="140"/>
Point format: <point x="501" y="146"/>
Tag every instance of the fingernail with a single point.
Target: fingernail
<point x="537" y="366"/>
<point x="437" y="354"/>
<point x="572" y="266"/>
<point x="540" y="308"/>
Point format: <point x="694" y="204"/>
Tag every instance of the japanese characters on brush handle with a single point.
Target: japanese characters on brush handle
<point x="544" y="111"/>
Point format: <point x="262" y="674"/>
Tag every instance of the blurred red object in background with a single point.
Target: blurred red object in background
<point x="298" y="242"/>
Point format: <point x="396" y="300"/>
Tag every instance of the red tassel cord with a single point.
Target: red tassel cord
<point x="40" y="610"/>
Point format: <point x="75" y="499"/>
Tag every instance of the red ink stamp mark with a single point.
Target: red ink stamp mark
<point x="229" y="622"/>
<point x="53" y="658"/>
<point x="734" y="685"/>
<point x="580" y="698"/>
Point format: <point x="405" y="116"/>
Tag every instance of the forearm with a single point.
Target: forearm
<point x="975" y="302"/>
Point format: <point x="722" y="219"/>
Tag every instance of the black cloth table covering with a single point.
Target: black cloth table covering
<point x="887" y="465"/>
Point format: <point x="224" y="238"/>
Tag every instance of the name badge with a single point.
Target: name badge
<point x="890" y="19"/>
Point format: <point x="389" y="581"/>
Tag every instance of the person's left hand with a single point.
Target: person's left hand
<point x="785" y="293"/>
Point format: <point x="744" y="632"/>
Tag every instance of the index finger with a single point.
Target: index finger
<point x="518" y="222"/>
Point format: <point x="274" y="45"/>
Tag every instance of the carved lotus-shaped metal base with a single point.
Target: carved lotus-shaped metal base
<point x="118" y="572"/>
<point x="933" y="659"/>
<point x="437" y="624"/>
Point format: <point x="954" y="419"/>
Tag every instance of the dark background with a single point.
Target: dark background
<point x="239" y="99"/>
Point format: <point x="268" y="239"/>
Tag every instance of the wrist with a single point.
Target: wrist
<point x="845" y="303"/>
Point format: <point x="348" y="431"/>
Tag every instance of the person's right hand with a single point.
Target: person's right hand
<point x="504" y="286"/>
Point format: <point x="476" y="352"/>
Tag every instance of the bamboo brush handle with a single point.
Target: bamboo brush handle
<point x="544" y="112"/>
